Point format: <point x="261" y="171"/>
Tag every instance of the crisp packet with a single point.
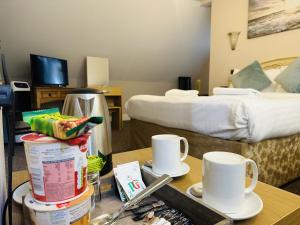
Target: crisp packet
<point x="52" y="123"/>
<point x="130" y="178"/>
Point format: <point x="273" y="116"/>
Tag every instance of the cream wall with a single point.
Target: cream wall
<point x="232" y="15"/>
<point x="149" y="42"/>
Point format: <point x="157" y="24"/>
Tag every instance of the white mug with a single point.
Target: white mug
<point x="223" y="178"/>
<point x="166" y="154"/>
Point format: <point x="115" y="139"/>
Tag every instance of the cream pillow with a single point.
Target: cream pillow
<point x="272" y="74"/>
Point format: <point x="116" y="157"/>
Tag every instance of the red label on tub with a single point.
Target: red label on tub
<point x="38" y="138"/>
<point x="63" y="205"/>
<point x="42" y="138"/>
<point x="59" y="179"/>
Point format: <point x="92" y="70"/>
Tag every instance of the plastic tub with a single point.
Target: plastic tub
<point x="76" y="212"/>
<point x="57" y="170"/>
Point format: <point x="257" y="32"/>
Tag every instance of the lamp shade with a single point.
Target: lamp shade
<point x="233" y="39"/>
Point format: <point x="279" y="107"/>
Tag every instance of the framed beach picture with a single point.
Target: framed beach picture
<point x="272" y="16"/>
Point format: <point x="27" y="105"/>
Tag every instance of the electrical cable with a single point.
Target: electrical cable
<point x="3" y="222"/>
<point x="4" y="212"/>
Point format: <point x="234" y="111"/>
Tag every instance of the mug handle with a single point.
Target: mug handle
<point x="186" y="148"/>
<point x="250" y="189"/>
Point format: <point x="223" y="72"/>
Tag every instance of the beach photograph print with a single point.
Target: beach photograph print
<point x="272" y="16"/>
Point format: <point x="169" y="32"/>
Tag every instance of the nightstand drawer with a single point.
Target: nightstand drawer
<point x="63" y="94"/>
<point x="49" y="94"/>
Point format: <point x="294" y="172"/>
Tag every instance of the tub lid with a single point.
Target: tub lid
<point x="38" y="138"/>
<point x="44" y="207"/>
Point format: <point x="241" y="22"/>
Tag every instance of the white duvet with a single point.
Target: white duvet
<point x="250" y="118"/>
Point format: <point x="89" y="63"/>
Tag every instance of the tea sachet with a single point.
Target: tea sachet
<point x="129" y="179"/>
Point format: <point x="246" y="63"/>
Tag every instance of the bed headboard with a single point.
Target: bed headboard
<point x="277" y="63"/>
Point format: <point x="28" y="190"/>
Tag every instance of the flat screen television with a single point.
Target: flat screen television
<point x="48" y="71"/>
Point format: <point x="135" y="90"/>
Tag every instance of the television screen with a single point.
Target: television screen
<point x="48" y="71"/>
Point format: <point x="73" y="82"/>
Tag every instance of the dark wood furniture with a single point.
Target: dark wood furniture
<point x="42" y="95"/>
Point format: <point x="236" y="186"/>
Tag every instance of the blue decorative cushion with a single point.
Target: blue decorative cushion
<point x="289" y="79"/>
<point x="252" y="76"/>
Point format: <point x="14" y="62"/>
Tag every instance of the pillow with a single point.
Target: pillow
<point x="252" y="76"/>
<point x="289" y="79"/>
<point x="272" y="74"/>
<point x="182" y="93"/>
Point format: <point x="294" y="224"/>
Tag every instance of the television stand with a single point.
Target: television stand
<point x="42" y="95"/>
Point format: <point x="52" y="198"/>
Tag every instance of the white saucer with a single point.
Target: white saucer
<point x="251" y="207"/>
<point x="21" y="191"/>
<point x="184" y="170"/>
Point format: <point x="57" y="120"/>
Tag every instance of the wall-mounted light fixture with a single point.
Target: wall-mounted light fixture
<point x="233" y="39"/>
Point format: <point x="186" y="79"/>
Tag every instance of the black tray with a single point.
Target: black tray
<point x="197" y="211"/>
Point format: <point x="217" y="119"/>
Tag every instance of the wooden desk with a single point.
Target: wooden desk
<point x="113" y="97"/>
<point x="280" y="207"/>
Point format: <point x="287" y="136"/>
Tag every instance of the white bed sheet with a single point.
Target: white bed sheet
<point x="250" y="118"/>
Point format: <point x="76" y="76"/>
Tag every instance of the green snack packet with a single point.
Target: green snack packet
<point x="52" y="123"/>
<point x="95" y="163"/>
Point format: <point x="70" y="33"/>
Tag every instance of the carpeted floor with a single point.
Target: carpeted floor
<point x="120" y="143"/>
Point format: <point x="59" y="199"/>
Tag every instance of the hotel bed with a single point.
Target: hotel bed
<point x="265" y="128"/>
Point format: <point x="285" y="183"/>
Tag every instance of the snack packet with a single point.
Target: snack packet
<point x="95" y="163"/>
<point x="52" y="123"/>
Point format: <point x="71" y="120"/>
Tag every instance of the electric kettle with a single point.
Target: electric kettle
<point x="91" y="102"/>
